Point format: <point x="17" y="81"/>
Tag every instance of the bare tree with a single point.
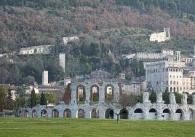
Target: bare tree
<point x="128" y="100"/>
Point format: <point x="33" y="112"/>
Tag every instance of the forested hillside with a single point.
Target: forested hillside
<point x="109" y="27"/>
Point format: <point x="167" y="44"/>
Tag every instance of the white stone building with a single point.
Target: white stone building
<point x="150" y="56"/>
<point x="161" y="37"/>
<point x="62" y="61"/>
<point x="42" y="49"/>
<point x="69" y="39"/>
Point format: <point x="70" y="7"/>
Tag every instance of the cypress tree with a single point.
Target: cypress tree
<point x="43" y="100"/>
<point x="33" y="99"/>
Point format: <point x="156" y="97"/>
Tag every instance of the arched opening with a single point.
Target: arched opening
<point x="94" y="113"/>
<point x="34" y="113"/>
<point x="55" y="113"/>
<point x="124" y="114"/>
<point x="44" y="113"/>
<point x="94" y="93"/>
<point x="67" y="113"/>
<point x="178" y="114"/>
<point x="81" y="113"/>
<point x="109" y="114"/>
<point x="192" y="114"/>
<point x="26" y="113"/>
<point x="81" y="96"/>
<point x="171" y="89"/>
<point x="109" y="93"/>
<point x="152" y="113"/>
<point x="138" y="113"/>
<point x="166" y="114"/>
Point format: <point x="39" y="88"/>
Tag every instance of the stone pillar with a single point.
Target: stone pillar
<point x="74" y="113"/>
<point x="159" y="97"/>
<point x="193" y="97"/>
<point x="184" y="99"/>
<point x="87" y="113"/>
<point x="101" y="94"/>
<point x="146" y="113"/>
<point x="73" y="94"/>
<point x="102" y="113"/>
<point x="146" y="97"/>
<point x="61" y="113"/>
<point x="172" y="98"/>
<point x="87" y="93"/>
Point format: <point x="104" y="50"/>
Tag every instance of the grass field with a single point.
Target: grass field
<point x="17" y="127"/>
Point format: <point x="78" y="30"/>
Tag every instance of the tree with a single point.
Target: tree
<point x="166" y="97"/>
<point x="51" y="98"/>
<point x="67" y="94"/>
<point x="9" y="101"/>
<point x="178" y="97"/>
<point x="127" y="100"/>
<point x="20" y="100"/>
<point x="33" y="99"/>
<point x="43" y="100"/>
<point x="152" y="97"/>
<point x="190" y="99"/>
<point x="2" y="97"/>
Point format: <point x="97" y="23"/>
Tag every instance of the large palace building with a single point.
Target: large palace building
<point x="173" y="75"/>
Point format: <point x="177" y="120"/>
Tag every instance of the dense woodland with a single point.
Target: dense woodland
<point x="107" y="29"/>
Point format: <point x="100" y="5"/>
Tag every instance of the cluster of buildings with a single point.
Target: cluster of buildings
<point x="174" y="74"/>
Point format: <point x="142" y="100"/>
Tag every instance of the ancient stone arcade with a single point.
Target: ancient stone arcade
<point x="93" y="99"/>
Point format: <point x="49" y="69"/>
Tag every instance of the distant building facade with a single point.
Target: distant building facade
<point x="42" y="49"/>
<point x="161" y="37"/>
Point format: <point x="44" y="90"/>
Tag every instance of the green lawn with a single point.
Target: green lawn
<point x="17" y="127"/>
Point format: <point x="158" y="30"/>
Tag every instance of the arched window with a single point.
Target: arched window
<point x="81" y="113"/>
<point x="171" y="89"/>
<point x="67" y="113"/>
<point x="55" y="113"/>
<point x="34" y="113"/>
<point x="109" y="114"/>
<point x="152" y="110"/>
<point x="94" y="93"/>
<point x="124" y="114"/>
<point x="81" y="96"/>
<point x="109" y="93"/>
<point x="138" y="110"/>
<point x="94" y="113"/>
<point x="43" y="113"/>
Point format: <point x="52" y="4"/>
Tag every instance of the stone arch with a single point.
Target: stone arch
<point x="55" y="113"/>
<point x="94" y="93"/>
<point x="179" y="114"/>
<point x="26" y="113"/>
<point x="152" y="113"/>
<point x="124" y="113"/>
<point x="109" y="92"/>
<point x="191" y="114"/>
<point x="109" y="114"/>
<point x="44" y="113"/>
<point x="166" y="114"/>
<point x="138" y="113"/>
<point x="81" y="95"/>
<point x="94" y="113"/>
<point x="67" y="113"/>
<point x="81" y="113"/>
<point x="34" y="113"/>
